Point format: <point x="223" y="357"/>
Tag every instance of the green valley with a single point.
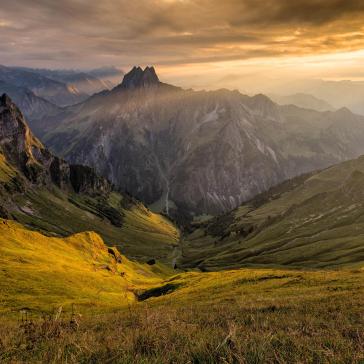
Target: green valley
<point x="312" y="221"/>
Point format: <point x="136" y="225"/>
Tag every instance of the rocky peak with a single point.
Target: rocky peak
<point x="10" y="116"/>
<point x="25" y="152"/>
<point x="138" y="77"/>
<point x="16" y="141"/>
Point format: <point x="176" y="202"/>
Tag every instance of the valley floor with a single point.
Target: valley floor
<point x="240" y="316"/>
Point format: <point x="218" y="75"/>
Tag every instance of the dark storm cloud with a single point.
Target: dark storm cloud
<point x="74" y="32"/>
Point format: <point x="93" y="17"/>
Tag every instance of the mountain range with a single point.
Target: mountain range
<point x="338" y="93"/>
<point x="344" y="93"/>
<point x="303" y="100"/>
<point x="189" y="152"/>
<point x="42" y="93"/>
<point x="82" y="82"/>
<point x="35" y="108"/>
<point x="53" y="91"/>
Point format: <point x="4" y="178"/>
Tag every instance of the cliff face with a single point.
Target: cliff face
<point x="204" y="152"/>
<point x="23" y="151"/>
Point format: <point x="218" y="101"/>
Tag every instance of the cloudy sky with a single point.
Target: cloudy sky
<point x="215" y="40"/>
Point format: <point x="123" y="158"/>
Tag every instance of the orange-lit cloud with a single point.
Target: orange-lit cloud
<point x="174" y="33"/>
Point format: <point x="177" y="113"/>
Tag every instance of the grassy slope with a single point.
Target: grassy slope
<point x="241" y="316"/>
<point x="142" y="235"/>
<point x="43" y="273"/>
<point x="246" y="315"/>
<point x="316" y="221"/>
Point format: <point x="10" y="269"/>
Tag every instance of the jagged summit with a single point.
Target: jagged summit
<point x="138" y="77"/>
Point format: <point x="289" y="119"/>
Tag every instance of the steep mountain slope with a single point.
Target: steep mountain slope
<point x="303" y="100"/>
<point x="204" y="152"/>
<point x="42" y="273"/>
<point x="53" y="91"/>
<point x="45" y="193"/>
<point x="315" y="221"/>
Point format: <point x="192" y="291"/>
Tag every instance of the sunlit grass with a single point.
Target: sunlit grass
<point x="236" y="316"/>
<point x="42" y="273"/>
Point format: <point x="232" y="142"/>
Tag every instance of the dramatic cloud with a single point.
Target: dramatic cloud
<point x="86" y="33"/>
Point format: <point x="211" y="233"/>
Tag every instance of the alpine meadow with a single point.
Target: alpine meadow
<point x="182" y="182"/>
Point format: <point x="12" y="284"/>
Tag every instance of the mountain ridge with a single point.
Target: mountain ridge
<point x="54" y="91"/>
<point x="208" y="151"/>
<point x="33" y="106"/>
<point x="303" y="100"/>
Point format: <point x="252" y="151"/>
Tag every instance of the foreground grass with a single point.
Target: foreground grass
<point x="242" y="316"/>
<point x="40" y="273"/>
<point x="72" y="300"/>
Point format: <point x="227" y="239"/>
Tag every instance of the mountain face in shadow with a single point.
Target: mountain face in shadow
<point x="197" y="151"/>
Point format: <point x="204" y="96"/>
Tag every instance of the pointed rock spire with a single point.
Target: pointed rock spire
<point x="138" y="77"/>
